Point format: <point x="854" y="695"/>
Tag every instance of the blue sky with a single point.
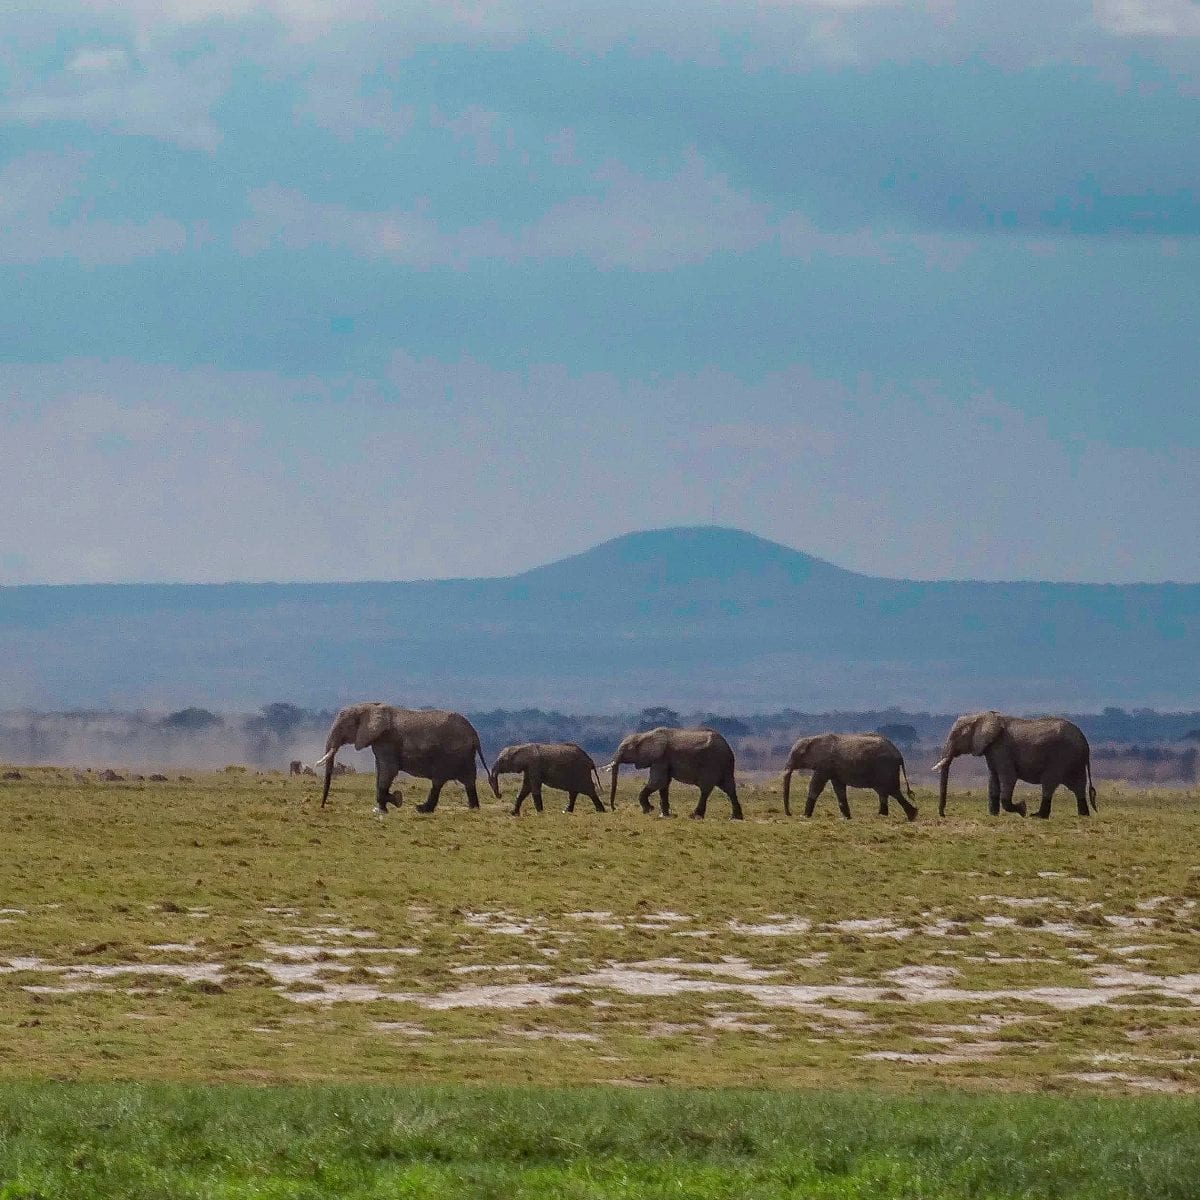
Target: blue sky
<point x="296" y="289"/>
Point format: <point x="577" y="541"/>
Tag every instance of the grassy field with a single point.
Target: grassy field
<point x="157" y="1142"/>
<point x="228" y="929"/>
<point x="825" y="1008"/>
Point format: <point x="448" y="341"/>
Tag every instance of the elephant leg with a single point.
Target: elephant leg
<point x="570" y="802"/>
<point x="701" y="808"/>
<point x="525" y="790"/>
<point x="435" y="791"/>
<point x="883" y="801"/>
<point x="1049" y="787"/>
<point x="735" y="805"/>
<point x="910" y="809"/>
<point x="839" y="790"/>
<point x="387" y="766"/>
<point x="1008" y="782"/>
<point x="537" y="798"/>
<point x="644" y="797"/>
<point x="993" y="793"/>
<point x="664" y="799"/>
<point x="473" y="791"/>
<point x="660" y="778"/>
<point x="816" y="785"/>
<point x="597" y="803"/>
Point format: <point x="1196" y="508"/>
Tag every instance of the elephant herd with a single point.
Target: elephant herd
<point x="443" y="746"/>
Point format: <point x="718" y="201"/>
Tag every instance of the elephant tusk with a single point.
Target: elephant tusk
<point x="937" y="766"/>
<point x="609" y="766"/>
<point x="324" y="758"/>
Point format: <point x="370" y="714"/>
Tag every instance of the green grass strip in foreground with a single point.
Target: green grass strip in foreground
<point x="305" y="1143"/>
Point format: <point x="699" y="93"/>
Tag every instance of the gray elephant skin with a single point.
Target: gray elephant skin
<point x="1049" y="751"/>
<point x="859" y="760"/>
<point x="428" y="743"/>
<point x="700" y="757"/>
<point x="561" y="765"/>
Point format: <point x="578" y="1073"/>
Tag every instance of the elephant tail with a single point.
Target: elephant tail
<point x="479" y="750"/>
<point x="907" y="785"/>
<point x="1091" y="786"/>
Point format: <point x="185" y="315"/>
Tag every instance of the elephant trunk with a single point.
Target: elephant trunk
<point x="333" y="743"/>
<point x="612" y="788"/>
<point x="494" y="780"/>
<point x="330" y="757"/>
<point x="943" y="769"/>
<point x="787" y="792"/>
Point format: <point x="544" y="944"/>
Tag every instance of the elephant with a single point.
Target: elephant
<point x="561" y="765"/>
<point x="860" y="760"/>
<point x="1045" y="750"/>
<point x="295" y="767"/>
<point x="428" y="743"/>
<point x="697" y="756"/>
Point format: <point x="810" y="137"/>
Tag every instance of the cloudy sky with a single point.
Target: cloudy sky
<point x="304" y="289"/>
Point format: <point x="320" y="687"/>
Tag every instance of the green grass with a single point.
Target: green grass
<point x="177" y="1142"/>
<point x="452" y="949"/>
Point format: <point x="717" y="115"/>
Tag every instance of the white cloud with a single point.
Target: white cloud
<point x="628" y="221"/>
<point x="34" y="192"/>
<point x="99" y="61"/>
<point x="154" y="93"/>
<point x="1149" y="18"/>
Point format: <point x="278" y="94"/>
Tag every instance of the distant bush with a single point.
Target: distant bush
<point x="192" y="719"/>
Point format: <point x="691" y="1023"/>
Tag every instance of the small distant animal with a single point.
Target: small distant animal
<point x="12" y="775"/>
<point x="158" y="779"/>
<point x="343" y="769"/>
<point x="308" y="771"/>
<point x="110" y="776"/>
<point x="295" y="767"/>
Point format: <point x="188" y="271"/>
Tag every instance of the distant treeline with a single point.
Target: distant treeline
<point x="1141" y="745"/>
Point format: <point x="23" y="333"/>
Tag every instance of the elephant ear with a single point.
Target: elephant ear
<point x="371" y="726"/>
<point x="987" y="729"/>
<point x="653" y="747"/>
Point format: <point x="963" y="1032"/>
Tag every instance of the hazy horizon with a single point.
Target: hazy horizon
<point x="571" y="554"/>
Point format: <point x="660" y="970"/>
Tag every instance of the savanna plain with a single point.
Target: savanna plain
<point x="211" y="987"/>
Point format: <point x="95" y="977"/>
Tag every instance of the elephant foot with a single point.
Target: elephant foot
<point x="514" y="812"/>
<point x="424" y="808"/>
<point x="665" y="816"/>
<point x="695" y="816"/>
<point x="1041" y="816"/>
<point x="737" y="815"/>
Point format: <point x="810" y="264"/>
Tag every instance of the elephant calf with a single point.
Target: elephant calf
<point x="860" y="760"/>
<point x="561" y="765"/>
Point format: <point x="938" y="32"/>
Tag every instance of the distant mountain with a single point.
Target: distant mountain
<point x="695" y="618"/>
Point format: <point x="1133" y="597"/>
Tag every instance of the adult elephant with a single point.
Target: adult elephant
<point x="431" y="744"/>
<point x="860" y="760"/>
<point x="561" y="765"/>
<point x="1045" y="750"/>
<point x="701" y="757"/>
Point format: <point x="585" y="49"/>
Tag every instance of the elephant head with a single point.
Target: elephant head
<point x="360" y="724"/>
<point x="512" y="760"/>
<point x="800" y="757"/>
<point x="641" y="750"/>
<point x="973" y="734"/>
